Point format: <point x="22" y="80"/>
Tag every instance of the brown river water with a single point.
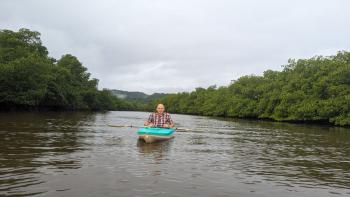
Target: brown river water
<point x="77" y="154"/>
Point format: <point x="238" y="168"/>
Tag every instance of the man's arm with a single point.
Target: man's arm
<point x="169" y="122"/>
<point x="149" y="122"/>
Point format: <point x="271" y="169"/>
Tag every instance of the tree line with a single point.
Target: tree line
<point x="315" y="89"/>
<point x="30" y="79"/>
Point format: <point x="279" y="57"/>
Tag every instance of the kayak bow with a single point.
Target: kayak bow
<point x="154" y="134"/>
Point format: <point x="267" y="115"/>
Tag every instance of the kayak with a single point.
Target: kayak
<point x="155" y="134"/>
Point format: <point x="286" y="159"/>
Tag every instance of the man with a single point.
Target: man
<point x="160" y="118"/>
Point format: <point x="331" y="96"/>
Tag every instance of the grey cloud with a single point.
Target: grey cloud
<point x="167" y="46"/>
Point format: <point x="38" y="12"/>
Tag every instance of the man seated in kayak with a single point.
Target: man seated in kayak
<point x="160" y="118"/>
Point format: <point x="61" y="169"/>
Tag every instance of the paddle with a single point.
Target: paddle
<point x="132" y="126"/>
<point x="122" y="126"/>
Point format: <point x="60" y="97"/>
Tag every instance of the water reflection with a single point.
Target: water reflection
<point x="157" y="150"/>
<point x="305" y="155"/>
<point x="65" y="154"/>
<point x="33" y="142"/>
<point x="310" y="156"/>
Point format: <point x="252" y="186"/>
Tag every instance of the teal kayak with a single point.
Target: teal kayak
<point x="153" y="134"/>
<point x="155" y="131"/>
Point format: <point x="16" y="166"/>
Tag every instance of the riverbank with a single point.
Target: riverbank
<point x="306" y="90"/>
<point x="32" y="80"/>
<point x="313" y="90"/>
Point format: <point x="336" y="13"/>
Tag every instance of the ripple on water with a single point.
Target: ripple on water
<point x="69" y="153"/>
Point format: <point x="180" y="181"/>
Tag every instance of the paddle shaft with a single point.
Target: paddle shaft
<point x="131" y="126"/>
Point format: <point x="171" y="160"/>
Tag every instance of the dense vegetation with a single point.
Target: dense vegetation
<point x="30" y="79"/>
<point x="316" y="89"/>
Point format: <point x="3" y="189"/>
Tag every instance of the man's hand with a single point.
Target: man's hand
<point x="168" y="126"/>
<point x="148" y="124"/>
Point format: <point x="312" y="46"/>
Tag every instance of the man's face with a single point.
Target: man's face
<point x="160" y="108"/>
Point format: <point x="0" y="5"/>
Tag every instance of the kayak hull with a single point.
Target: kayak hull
<point x="155" y="138"/>
<point x="154" y="134"/>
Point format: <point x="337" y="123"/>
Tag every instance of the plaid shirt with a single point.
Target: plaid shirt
<point x="159" y="120"/>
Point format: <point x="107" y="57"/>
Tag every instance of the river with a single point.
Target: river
<point x="77" y="154"/>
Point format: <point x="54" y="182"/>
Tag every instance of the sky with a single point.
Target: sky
<point x="177" y="45"/>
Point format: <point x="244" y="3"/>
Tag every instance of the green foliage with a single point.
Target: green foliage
<point x="29" y="79"/>
<point x="316" y="89"/>
<point x="15" y="45"/>
<point x="23" y="81"/>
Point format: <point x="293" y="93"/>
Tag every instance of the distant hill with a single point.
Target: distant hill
<point x="137" y="96"/>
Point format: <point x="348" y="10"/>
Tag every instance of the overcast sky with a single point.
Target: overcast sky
<point x="177" y="45"/>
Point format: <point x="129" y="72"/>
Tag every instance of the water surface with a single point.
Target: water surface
<point x="77" y="154"/>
